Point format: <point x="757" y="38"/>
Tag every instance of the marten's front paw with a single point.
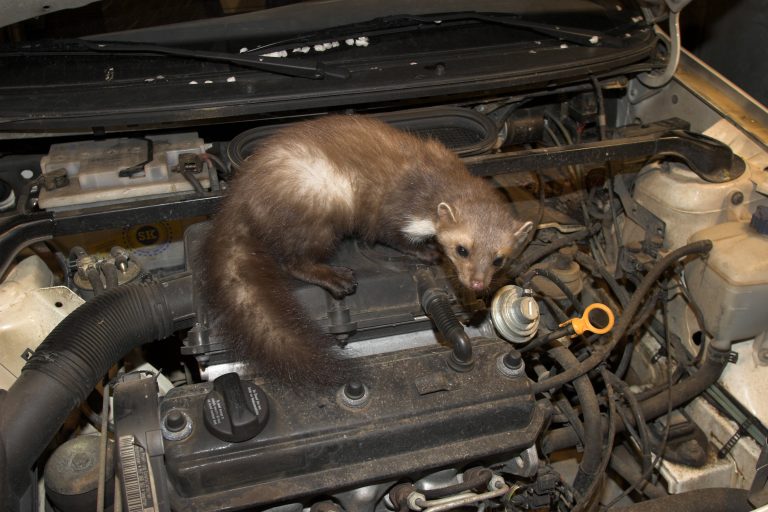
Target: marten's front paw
<point x="342" y="282"/>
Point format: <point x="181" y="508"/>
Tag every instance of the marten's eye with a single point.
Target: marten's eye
<point x="462" y="251"/>
<point x="499" y="261"/>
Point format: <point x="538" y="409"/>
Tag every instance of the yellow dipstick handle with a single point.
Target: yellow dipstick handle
<point x="582" y="324"/>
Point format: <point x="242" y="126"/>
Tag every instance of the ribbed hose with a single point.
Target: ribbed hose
<point x="436" y="305"/>
<point x="75" y="355"/>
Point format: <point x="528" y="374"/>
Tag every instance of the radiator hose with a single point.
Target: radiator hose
<point x="71" y="360"/>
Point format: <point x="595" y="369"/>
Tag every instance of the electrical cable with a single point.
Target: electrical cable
<point x="554" y="279"/>
<point x="601" y="352"/>
<point x="665" y="436"/>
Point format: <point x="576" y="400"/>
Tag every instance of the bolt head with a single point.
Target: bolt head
<point x="175" y="421"/>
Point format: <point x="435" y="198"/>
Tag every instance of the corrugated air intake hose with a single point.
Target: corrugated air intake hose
<point x="71" y="360"/>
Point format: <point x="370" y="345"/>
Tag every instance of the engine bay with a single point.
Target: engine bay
<point x="617" y="359"/>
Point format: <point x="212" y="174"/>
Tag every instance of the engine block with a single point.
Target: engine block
<point x="416" y="415"/>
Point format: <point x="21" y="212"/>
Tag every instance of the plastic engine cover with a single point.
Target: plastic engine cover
<point x="417" y="414"/>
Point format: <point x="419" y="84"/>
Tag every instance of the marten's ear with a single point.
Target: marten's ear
<point x="524" y="230"/>
<point x="445" y="213"/>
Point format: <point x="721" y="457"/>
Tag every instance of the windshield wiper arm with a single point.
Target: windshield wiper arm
<point x="291" y="67"/>
<point x="573" y="35"/>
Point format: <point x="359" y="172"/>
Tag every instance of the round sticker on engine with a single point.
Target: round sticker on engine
<point x="149" y="239"/>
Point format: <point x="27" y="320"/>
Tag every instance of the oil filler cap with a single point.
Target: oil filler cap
<point x="236" y="410"/>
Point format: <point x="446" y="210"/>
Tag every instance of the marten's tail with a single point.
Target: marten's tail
<point x="255" y="307"/>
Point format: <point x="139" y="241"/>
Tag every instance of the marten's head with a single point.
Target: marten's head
<point x="479" y="239"/>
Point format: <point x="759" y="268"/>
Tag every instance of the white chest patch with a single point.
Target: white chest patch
<point x="418" y="229"/>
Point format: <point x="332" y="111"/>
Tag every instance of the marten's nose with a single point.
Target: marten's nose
<point x="476" y="285"/>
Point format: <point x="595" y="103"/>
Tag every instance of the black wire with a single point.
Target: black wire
<point x="611" y="209"/>
<point x="665" y="437"/>
<point x="554" y="279"/>
<point x="642" y="435"/>
<point x="572" y="417"/>
<point x="547" y="338"/>
<point x="199" y="190"/>
<point x="601" y="117"/>
<point x="530" y="257"/>
<point x="601" y="352"/>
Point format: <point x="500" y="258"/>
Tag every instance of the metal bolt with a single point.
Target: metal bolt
<point x="737" y="198"/>
<point x="175" y="421"/>
<point x="354" y="390"/>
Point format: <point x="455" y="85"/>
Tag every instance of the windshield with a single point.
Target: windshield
<point x="269" y="19"/>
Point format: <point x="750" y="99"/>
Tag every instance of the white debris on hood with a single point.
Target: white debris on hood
<point x="563" y="46"/>
<point x="619" y="8"/>
<point x="413" y="63"/>
<point x="531" y="51"/>
<point x="350" y="42"/>
<point x="637" y="19"/>
<point x="231" y="79"/>
<point x="303" y="49"/>
<point x="149" y="80"/>
<point x="438" y="21"/>
<point x="243" y="49"/>
<point x="160" y="77"/>
<point x="281" y="53"/>
<point x="361" y="41"/>
<point x="594" y="39"/>
<point x="208" y="82"/>
<point x="193" y="82"/>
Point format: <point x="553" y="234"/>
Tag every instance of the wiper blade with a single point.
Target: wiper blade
<point x="570" y="34"/>
<point x="299" y="68"/>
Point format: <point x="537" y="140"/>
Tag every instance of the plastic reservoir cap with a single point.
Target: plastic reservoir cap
<point x="594" y="313"/>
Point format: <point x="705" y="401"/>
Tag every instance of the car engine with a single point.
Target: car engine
<point x="617" y="360"/>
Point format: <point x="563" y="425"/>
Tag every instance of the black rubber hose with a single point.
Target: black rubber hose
<point x="655" y="406"/>
<point x="75" y="355"/>
<point x="598" y="270"/>
<point x="554" y="279"/>
<point x="628" y="469"/>
<point x="436" y="305"/>
<point x="94" y="277"/>
<point x="602" y="351"/>
<point x="532" y="255"/>
<point x="590" y="410"/>
<point x="547" y="338"/>
<point x="700" y="500"/>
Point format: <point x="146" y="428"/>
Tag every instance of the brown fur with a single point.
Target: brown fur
<point x="314" y="183"/>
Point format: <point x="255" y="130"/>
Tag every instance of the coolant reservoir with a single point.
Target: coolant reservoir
<point x="730" y="285"/>
<point x="687" y="203"/>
